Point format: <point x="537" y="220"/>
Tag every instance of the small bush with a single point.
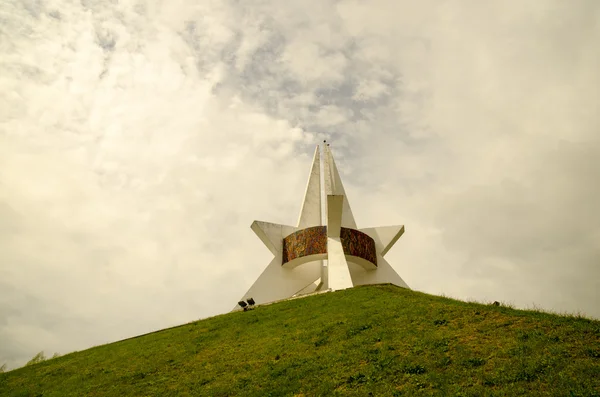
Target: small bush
<point x="38" y="358"/>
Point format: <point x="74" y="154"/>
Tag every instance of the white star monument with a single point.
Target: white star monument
<point x="325" y="251"/>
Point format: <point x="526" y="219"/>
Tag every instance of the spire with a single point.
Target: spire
<point x="310" y="214"/>
<point x="334" y="186"/>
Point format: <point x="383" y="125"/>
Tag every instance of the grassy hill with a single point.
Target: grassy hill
<point x="375" y="340"/>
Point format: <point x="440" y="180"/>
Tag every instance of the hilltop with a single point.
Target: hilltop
<point x="374" y="340"/>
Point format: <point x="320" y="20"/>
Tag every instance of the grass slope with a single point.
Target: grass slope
<point x="376" y="340"/>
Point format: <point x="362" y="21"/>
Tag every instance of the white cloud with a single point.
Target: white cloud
<point x="311" y="65"/>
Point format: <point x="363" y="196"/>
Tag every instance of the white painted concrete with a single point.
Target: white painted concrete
<point x="384" y="274"/>
<point x="277" y="282"/>
<point x="365" y="264"/>
<point x="309" y="289"/>
<point x="334" y="186"/>
<point x="272" y="234"/>
<point x="310" y="213"/>
<point x="304" y="259"/>
<point x="385" y="236"/>
<point x="335" y="206"/>
<point x="339" y="273"/>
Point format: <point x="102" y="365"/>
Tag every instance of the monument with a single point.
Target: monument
<point x="325" y="251"/>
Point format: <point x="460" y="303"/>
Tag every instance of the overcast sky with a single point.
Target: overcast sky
<point x="140" y="139"/>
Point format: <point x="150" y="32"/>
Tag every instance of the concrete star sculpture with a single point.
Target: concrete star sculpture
<point x="323" y="254"/>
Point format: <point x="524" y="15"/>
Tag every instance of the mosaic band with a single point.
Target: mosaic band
<point x="313" y="240"/>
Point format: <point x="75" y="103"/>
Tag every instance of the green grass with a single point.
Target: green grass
<point x="376" y="340"/>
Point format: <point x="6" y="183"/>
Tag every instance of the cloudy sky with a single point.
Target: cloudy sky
<point x="140" y="139"/>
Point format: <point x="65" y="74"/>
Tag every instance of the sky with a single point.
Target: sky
<point x="140" y="139"/>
